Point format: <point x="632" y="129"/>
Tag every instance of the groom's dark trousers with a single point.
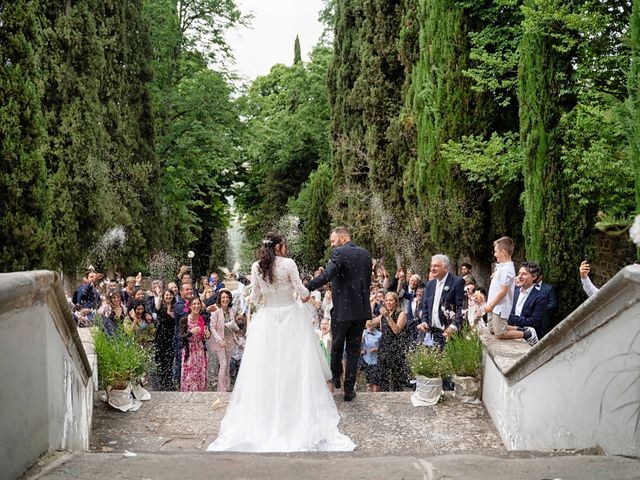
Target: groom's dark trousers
<point x="349" y="272"/>
<point x="346" y="335"/>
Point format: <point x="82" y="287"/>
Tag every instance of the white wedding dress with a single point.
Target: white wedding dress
<point x="280" y="402"/>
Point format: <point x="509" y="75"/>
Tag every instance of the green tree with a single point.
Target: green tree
<point x="297" y="56"/>
<point x="24" y="196"/>
<point x="311" y="206"/>
<point x="442" y="108"/>
<point x="288" y="116"/>
<point x="196" y="122"/>
<point x="634" y="98"/>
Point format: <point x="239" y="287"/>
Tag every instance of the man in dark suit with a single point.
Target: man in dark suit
<point x="414" y="313"/>
<point x="529" y="307"/>
<point x="442" y="303"/>
<point x="349" y="272"/>
<point x="552" y="304"/>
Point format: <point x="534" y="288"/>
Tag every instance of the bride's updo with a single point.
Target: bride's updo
<point x="267" y="254"/>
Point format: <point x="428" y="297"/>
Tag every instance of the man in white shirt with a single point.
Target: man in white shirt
<point x="442" y="302"/>
<point x="529" y="307"/>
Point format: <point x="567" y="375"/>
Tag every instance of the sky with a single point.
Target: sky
<point x="271" y="35"/>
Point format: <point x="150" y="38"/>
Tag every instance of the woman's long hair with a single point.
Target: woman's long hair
<point x="267" y="254"/>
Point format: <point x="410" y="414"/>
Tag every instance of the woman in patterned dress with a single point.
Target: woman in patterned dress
<point x="194" y="354"/>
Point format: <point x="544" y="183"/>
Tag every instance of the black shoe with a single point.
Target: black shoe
<point x="348" y="396"/>
<point x="337" y="384"/>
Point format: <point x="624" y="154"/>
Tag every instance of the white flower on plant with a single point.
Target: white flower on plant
<point x="634" y="232"/>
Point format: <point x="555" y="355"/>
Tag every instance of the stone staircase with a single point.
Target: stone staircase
<point x="378" y="423"/>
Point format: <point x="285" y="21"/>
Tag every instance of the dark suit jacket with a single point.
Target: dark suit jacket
<point x="533" y="310"/>
<point x="413" y="320"/>
<point x="452" y="298"/>
<point x="349" y="272"/>
<point x="552" y="304"/>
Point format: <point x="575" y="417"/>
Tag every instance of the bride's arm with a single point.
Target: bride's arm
<point x="294" y="277"/>
<point x="255" y="285"/>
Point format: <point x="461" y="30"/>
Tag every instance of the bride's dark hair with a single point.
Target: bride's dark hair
<point x="267" y="253"/>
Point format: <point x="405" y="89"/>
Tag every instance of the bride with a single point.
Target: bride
<point x="280" y="402"/>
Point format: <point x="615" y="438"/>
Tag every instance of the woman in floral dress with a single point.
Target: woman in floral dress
<point x="194" y="354"/>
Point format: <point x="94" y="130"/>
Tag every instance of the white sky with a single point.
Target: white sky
<point x="271" y="35"/>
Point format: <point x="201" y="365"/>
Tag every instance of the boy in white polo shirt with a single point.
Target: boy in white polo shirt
<point x="500" y="297"/>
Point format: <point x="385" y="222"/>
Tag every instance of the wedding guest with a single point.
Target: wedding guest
<point x="414" y="315"/>
<point x="476" y="315"/>
<point x="501" y="289"/>
<point x="194" y="354"/>
<point x="129" y="290"/>
<point x="465" y="273"/>
<point x="164" y="353"/>
<point x="443" y="300"/>
<point x="587" y="285"/>
<point x="528" y="309"/>
<point x="370" y="347"/>
<point x="394" y="343"/>
<point x="239" y="341"/>
<point x="113" y="313"/>
<point x="552" y="304"/>
<point x="135" y="323"/>
<point x="327" y="302"/>
<point x="324" y="334"/>
<point x="222" y="325"/>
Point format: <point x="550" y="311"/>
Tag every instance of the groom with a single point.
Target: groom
<point x="349" y="272"/>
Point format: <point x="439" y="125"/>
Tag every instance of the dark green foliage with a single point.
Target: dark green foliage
<point x="554" y="227"/>
<point x="297" y="56"/>
<point x="441" y="106"/>
<point x="633" y="102"/>
<point x="365" y="83"/>
<point x="100" y="157"/>
<point x="24" y="197"/>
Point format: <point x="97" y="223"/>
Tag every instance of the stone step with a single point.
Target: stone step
<point x="378" y="423"/>
<point x="495" y="465"/>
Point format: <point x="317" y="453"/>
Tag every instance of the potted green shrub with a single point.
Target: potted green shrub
<point x="464" y="353"/>
<point x="121" y="361"/>
<point x="428" y="366"/>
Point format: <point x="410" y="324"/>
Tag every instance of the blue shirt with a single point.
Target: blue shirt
<point x="371" y="340"/>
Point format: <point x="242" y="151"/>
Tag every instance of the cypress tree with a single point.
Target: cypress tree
<point x="297" y="56"/>
<point x="554" y="226"/>
<point x="365" y="82"/>
<point x="124" y="91"/>
<point x="634" y="96"/>
<point x="77" y="154"/>
<point x="350" y="169"/>
<point x="24" y="197"/>
<point x="441" y="107"/>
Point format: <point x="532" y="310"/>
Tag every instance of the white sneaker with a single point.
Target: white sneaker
<point x="533" y="339"/>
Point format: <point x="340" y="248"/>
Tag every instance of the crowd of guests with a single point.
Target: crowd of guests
<point x="198" y="332"/>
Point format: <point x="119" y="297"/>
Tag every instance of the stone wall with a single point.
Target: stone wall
<point x="612" y="254"/>
<point x="579" y="387"/>
<point x="47" y="387"/>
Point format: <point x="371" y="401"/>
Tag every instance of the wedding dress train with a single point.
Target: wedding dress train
<point x="280" y="402"/>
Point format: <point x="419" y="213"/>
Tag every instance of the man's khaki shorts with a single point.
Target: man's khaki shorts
<point x="497" y="324"/>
